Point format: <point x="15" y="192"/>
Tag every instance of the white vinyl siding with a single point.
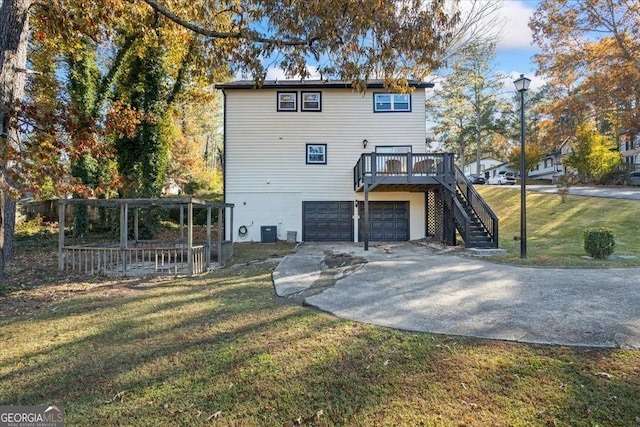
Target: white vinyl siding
<point x="265" y="153"/>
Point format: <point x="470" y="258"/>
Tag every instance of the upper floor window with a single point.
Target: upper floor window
<point x="287" y="101"/>
<point x="311" y="101"/>
<point x="391" y="102"/>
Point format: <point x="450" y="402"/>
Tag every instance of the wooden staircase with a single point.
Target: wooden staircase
<point x="475" y="221"/>
<point x="478" y="235"/>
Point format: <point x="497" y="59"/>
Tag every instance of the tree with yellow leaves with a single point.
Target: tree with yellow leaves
<point x="591" y="56"/>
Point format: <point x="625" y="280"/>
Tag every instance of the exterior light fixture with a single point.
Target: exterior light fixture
<point x="364" y="143"/>
<point x="522" y="85"/>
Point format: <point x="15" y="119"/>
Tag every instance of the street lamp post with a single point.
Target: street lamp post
<point x="522" y="85"/>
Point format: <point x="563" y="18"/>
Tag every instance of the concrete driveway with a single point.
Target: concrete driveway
<point x="423" y="288"/>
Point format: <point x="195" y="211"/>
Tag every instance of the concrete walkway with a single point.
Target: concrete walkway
<point x="424" y="288"/>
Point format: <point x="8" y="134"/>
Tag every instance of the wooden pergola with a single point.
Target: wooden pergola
<point x="147" y="257"/>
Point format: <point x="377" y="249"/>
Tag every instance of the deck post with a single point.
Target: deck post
<point x="181" y="223"/>
<point x="190" y="236"/>
<point x="366" y="216"/>
<point x="61" y="214"/>
<point x="124" y="235"/>
<point x="124" y="213"/>
<point x="135" y="224"/>
<point x="374" y="167"/>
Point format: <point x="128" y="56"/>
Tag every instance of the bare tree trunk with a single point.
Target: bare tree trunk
<point x="14" y="29"/>
<point x="9" y="210"/>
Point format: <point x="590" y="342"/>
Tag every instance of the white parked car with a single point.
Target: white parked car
<point x="502" y="179"/>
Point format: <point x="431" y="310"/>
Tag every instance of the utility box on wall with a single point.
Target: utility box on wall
<point x="268" y="233"/>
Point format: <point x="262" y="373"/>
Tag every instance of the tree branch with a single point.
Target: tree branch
<point x="242" y="33"/>
<point x="107" y="80"/>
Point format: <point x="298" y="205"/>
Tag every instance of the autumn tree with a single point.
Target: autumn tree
<point x="533" y="155"/>
<point x="590" y="52"/>
<point x="593" y="156"/>
<point x="387" y="39"/>
<point x="14" y="30"/>
<point x="82" y="86"/>
<point x="479" y="22"/>
<point x="537" y="142"/>
<point x="195" y="157"/>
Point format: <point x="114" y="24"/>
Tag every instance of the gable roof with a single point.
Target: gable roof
<point x="312" y="84"/>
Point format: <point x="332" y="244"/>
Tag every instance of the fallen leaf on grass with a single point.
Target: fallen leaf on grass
<point x="473" y="405"/>
<point x="214" y="416"/>
<point x="119" y="395"/>
<point x="604" y="375"/>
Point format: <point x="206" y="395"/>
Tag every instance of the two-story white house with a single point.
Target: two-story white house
<point x="324" y="162"/>
<point x="486" y="163"/>
<point x="550" y="167"/>
<point x="546" y="169"/>
<point x="629" y="146"/>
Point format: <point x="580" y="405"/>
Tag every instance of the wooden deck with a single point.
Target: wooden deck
<point x="403" y="169"/>
<point x="145" y="258"/>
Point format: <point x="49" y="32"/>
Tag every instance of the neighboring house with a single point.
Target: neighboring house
<point x="309" y="158"/>
<point x="550" y="168"/>
<point x="629" y="145"/>
<point x="498" y="169"/>
<point x="485" y="164"/>
<point x="546" y="169"/>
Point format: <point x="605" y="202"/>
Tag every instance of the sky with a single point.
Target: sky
<point x="514" y="52"/>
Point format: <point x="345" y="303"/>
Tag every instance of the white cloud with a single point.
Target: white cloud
<point x="516" y="33"/>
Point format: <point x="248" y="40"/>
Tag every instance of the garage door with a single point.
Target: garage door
<point x="328" y="221"/>
<point x="388" y="221"/>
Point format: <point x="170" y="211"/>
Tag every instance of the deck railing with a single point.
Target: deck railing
<point x="143" y="260"/>
<point x="462" y="220"/>
<point x="370" y="166"/>
<point x="484" y="213"/>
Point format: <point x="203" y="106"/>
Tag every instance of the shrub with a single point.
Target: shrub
<point x="31" y="227"/>
<point x="564" y="183"/>
<point x="599" y="242"/>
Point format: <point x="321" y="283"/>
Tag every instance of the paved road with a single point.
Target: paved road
<point x="420" y="288"/>
<point x="629" y="193"/>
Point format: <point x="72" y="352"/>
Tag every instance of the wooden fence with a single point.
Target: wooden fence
<point x="144" y="259"/>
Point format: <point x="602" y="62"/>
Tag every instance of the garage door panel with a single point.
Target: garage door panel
<point x="388" y="221"/>
<point x="328" y="221"/>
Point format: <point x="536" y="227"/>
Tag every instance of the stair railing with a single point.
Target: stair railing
<point x="462" y="220"/>
<point x="483" y="212"/>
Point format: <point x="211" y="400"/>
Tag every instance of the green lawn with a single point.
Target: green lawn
<point x="555" y="229"/>
<point x="223" y="350"/>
